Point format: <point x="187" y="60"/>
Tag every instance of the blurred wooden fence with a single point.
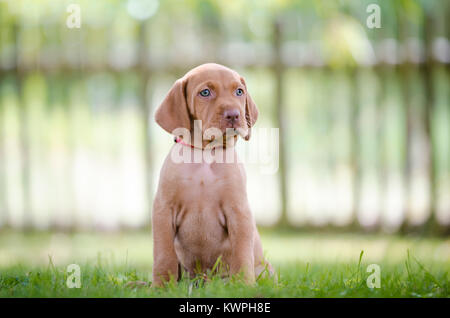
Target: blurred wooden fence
<point x="370" y="145"/>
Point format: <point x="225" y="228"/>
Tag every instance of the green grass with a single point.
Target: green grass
<point x="309" y="265"/>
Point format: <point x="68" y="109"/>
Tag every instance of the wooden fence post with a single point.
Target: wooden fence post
<point x="280" y="117"/>
<point x="144" y="71"/>
<point x="354" y="145"/>
<point x="426" y="70"/>
<point x="23" y="132"/>
<point x="3" y="202"/>
<point x="404" y="74"/>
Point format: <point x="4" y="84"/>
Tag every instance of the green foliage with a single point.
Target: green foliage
<point x="405" y="276"/>
<point x="296" y="280"/>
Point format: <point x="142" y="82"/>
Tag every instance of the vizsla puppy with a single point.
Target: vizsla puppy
<point x="201" y="211"/>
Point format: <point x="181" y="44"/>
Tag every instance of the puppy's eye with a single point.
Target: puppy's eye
<point x="205" y="93"/>
<point x="239" y="92"/>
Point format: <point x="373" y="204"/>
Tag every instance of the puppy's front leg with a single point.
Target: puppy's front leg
<point x="165" y="262"/>
<point x="240" y="230"/>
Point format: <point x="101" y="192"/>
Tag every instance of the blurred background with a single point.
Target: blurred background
<point x="364" y="113"/>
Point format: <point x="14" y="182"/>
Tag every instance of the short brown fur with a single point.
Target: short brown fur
<point x="201" y="211"/>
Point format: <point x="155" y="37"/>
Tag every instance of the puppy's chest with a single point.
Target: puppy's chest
<point x="200" y="196"/>
<point x="202" y="182"/>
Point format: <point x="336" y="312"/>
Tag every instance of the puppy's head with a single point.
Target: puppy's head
<point x="212" y="93"/>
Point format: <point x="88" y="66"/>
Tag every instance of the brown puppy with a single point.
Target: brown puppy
<point x="201" y="211"/>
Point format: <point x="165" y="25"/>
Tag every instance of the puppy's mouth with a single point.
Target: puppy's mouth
<point x="230" y="132"/>
<point x="236" y="129"/>
<point x="230" y="135"/>
<point x="243" y="132"/>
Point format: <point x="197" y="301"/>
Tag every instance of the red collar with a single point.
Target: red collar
<point x="178" y="140"/>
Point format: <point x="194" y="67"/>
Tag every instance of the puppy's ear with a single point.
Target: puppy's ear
<point x="173" y="112"/>
<point x="251" y="111"/>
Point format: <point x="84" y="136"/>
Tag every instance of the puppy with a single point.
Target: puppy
<point x="201" y="210"/>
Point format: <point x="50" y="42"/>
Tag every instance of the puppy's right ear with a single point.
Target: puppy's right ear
<point x="173" y="112"/>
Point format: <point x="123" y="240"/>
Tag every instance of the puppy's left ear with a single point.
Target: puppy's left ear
<point x="251" y="111"/>
<point x="173" y="112"/>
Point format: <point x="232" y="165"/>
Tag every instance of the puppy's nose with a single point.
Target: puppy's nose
<point x="231" y="115"/>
